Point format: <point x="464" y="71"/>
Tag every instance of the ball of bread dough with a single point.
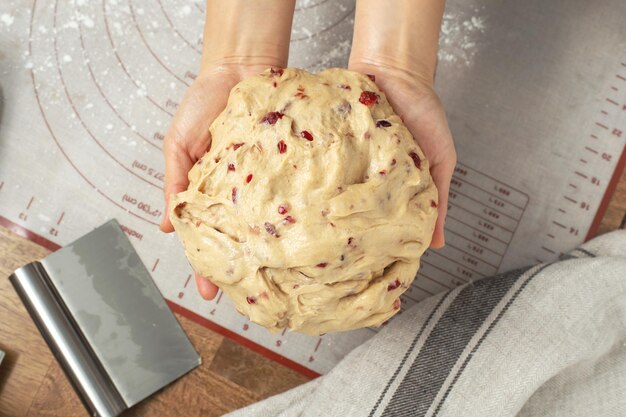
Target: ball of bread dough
<point x="314" y="204"/>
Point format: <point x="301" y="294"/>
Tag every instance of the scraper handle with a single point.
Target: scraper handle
<point x="66" y="341"/>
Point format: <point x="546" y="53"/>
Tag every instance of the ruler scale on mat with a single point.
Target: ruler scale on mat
<point x="535" y="92"/>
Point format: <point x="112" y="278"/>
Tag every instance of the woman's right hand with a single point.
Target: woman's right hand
<point x="188" y="137"/>
<point x="239" y="41"/>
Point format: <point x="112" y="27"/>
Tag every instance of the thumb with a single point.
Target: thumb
<point x="177" y="166"/>
<point x="442" y="175"/>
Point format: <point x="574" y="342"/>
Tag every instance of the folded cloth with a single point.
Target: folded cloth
<point x="548" y="340"/>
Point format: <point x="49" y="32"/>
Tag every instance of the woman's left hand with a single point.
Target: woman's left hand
<point x="414" y="99"/>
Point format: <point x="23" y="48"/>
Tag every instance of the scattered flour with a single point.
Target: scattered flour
<point x="307" y="4"/>
<point x="86" y="20"/>
<point x="339" y="51"/>
<point x="459" y="36"/>
<point x="185" y="10"/>
<point x="43" y="218"/>
<point x="462" y="31"/>
<point x="477" y="22"/>
<point x="7" y="19"/>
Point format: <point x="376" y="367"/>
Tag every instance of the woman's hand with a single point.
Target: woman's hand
<point x="416" y="102"/>
<point x="241" y="38"/>
<point x="397" y="41"/>
<point x="188" y="137"/>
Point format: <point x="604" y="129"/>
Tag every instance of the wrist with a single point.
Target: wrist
<point x="239" y="67"/>
<point x="399" y="36"/>
<point x="416" y="76"/>
<point x="243" y="34"/>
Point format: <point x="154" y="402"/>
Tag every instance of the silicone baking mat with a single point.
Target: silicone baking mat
<point x="535" y="91"/>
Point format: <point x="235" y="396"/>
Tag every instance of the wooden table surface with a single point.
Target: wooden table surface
<point x="230" y="377"/>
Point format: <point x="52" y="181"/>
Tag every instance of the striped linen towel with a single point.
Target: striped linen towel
<point x="548" y="340"/>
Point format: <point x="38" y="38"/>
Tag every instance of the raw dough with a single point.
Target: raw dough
<point x="314" y="204"/>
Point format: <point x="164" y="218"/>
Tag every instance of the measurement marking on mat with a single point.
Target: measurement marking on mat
<point x="155" y="264"/>
<point x="562" y="211"/>
<point x="284" y="331"/>
<point x="442" y="270"/>
<point x="572" y="185"/>
<point x="551" y="236"/>
<point x="612" y="101"/>
<point x="470" y="255"/>
<point x="435" y="281"/>
<point x="493" y="209"/>
<point x="478" y="230"/>
<point x="559" y="224"/>
<point x="580" y="174"/>
<point x="548" y="250"/>
<point x="475" y="243"/>
<point x="319" y="342"/>
<point x="583" y="161"/>
<point x="30" y="202"/>
<point x="60" y="218"/>
<point x="219" y="297"/>
<point x="423" y="289"/>
<point x="405" y="295"/>
<point x="570" y="199"/>
<point x="187" y="281"/>
<point x="603" y="112"/>
<point x="602" y="126"/>
<point x="458" y="263"/>
<point x="594" y="136"/>
<point x="1" y="185"/>
<point x="591" y="150"/>
<point x="614" y="88"/>
<point x="620" y="77"/>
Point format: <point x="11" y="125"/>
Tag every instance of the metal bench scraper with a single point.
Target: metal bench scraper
<point x="105" y="320"/>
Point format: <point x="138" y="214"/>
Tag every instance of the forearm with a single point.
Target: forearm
<point x="247" y="33"/>
<point x="402" y="35"/>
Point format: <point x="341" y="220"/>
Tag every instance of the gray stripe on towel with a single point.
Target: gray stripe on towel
<point x="440" y="352"/>
<point x="484" y="336"/>
<point x="408" y="352"/>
